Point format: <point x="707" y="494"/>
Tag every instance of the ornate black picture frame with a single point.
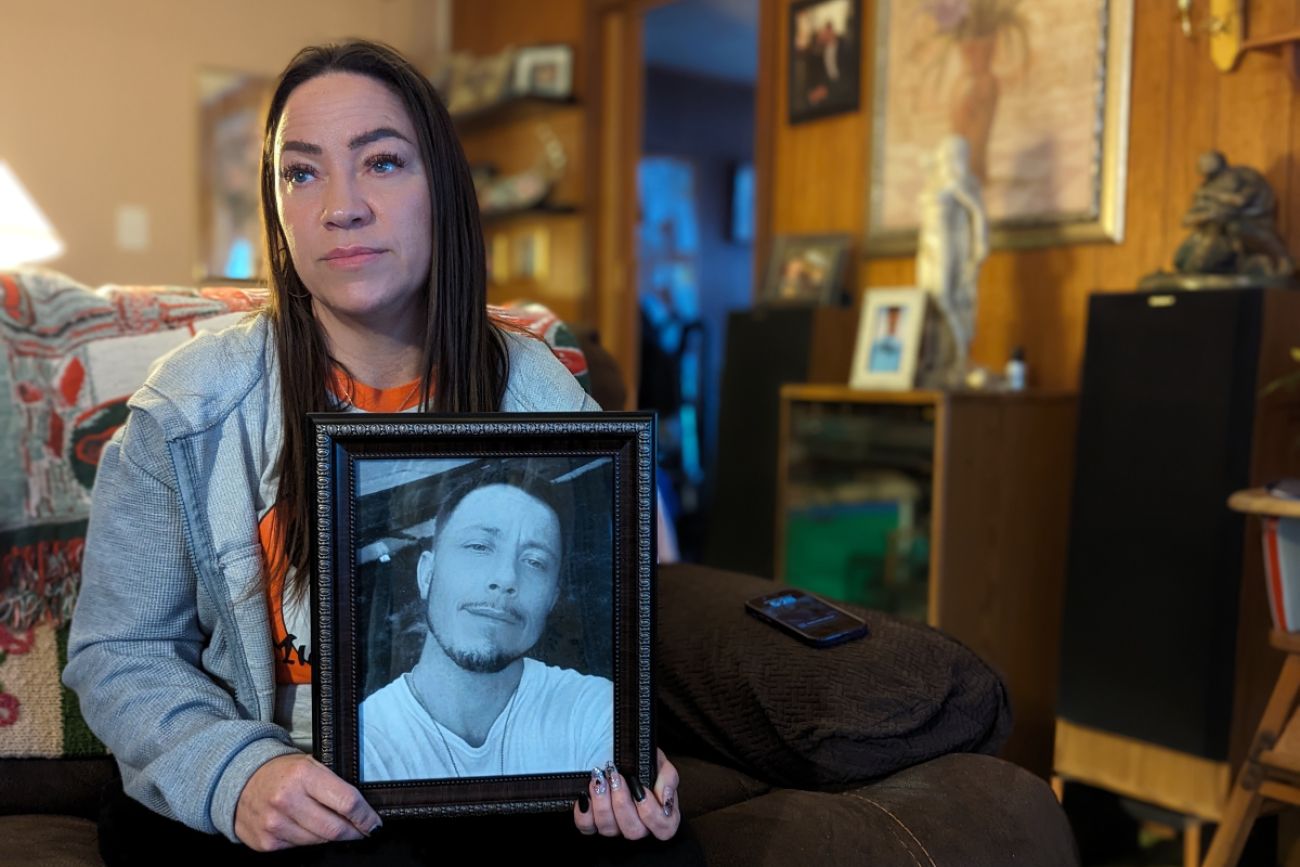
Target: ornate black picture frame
<point x="475" y="559"/>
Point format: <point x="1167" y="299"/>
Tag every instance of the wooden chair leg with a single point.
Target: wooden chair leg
<point x="1243" y="804"/>
<point x="1238" y="818"/>
<point x="1192" y="836"/>
<point x="1280" y="703"/>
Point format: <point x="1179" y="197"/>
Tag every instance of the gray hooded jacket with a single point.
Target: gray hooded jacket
<point x="170" y="650"/>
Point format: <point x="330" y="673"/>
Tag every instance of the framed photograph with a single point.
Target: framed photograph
<point x="824" y="52"/>
<point x="545" y="71"/>
<point x="1040" y="92"/>
<point x="888" y="346"/>
<point x="483" y="606"/>
<point x="475" y="84"/>
<point x="806" y="269"/>
<point x="231" y="113"/>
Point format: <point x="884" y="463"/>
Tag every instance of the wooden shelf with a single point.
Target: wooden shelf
<point x="516" y="108"/>
<point x="847" y="394"/>
<point x="1288" y="41"/>
<point x="1277" y="40"/>
<point x="542" y="210"/>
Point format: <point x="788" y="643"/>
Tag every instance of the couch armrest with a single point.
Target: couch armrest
<point x="734" y="688"/>
<point x="973" y="811"/>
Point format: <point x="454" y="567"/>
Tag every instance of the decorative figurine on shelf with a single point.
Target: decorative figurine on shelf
<point x="1234" y="243"/>
<point x="953" y="243"/>
<point x="508" y="194"/>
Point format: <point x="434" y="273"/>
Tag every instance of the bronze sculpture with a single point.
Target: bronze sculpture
<point x="1234" y="242"/>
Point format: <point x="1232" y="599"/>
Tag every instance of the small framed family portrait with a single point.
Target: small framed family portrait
<point x="824" y="52"/>
<point x="545" y="71"/>
<point x="483" y="605"/>
<point x="889" y="339"/>
<point x="806" y="269"/>
<point x="231" y="111"/>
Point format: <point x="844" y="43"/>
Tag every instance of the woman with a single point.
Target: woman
<point x="197" y="546"/>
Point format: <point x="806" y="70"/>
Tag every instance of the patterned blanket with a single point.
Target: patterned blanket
<point x="72" y="356"/>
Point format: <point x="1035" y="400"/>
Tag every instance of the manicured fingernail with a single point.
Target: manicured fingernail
<point x="598" y="776"/>
<point x="638" y="791"/>
<point x="615" y="780"/>
<point x="668" y="800"/>
<point x="583" y="803"/>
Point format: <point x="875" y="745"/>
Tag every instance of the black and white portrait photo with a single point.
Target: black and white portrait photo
<point x="485" y="590"/>
<point x="483" y="612"/>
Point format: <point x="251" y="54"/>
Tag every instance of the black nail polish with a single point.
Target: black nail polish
<point x="638" y="791"/>
<point x="584" y="804"/>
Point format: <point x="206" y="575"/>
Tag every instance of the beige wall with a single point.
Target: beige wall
<point x="98" y="106"/>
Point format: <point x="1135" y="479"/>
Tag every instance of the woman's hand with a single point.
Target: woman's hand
<point x="296" y="801"/>
<point x="621" y="806"/>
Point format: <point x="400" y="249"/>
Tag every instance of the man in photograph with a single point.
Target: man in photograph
<point x="830" y="80"/>
<point x="887" y="349"/>
<point x="474" y="704"/>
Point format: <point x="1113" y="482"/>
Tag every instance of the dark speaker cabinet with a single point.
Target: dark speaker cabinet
<point x="1165" y="664"/>
<point x="765" y="349"/>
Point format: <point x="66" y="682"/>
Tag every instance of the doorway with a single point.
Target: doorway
<point x="694" y="232"/>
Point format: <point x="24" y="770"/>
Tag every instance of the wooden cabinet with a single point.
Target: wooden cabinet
<point x="947" y="507"/>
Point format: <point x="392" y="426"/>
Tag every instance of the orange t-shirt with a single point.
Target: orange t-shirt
<point x="291" y="618"/>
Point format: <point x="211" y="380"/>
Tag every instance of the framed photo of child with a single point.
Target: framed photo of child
<point x="888" y="345"/>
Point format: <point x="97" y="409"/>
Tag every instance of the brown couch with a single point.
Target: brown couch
<point x="952" y="810"/>
<point x="872" y="753"/>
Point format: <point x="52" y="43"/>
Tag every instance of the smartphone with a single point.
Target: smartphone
<point x="806" y="617"/>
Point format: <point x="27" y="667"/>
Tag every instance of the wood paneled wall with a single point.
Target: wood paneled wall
<point x="1181" y="106"/>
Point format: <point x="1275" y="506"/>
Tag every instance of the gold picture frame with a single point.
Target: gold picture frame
<point x="1051" y="172"/>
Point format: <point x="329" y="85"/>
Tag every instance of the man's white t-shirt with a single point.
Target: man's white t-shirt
<point x="558" y="720"/>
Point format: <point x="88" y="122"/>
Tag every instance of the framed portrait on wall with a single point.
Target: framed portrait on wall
<point x="824" y="58"/>
<point x="231" y="113"/>
<point x="483" y="606"/>
<point x="888" y="347"/>
<point x="1040" y="92"/>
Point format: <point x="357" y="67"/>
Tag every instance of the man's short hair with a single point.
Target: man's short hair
<point x="504" y="471"/>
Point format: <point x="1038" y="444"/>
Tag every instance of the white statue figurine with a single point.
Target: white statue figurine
<point x="953" y="243"/>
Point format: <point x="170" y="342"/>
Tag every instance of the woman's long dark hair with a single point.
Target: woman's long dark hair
<point x="465" y="362"/>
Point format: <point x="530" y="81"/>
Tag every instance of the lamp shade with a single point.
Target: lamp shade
<point x="25" y="235"/>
